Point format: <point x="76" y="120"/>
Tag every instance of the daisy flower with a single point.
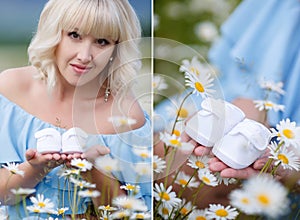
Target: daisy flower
<point x="130" y="203"/>
<point x="174" y="141"/>
<point x="200" y="163"/>
<point x="158" y="164"/>
<point x="165" y="212"/>
<point x="186" y="181"/>
<point x="186" y="208"/>
<point x="198" y="214"/>
<point x="167" y="197"/>
<point x="142" y="152"/>
<point x="35" y="209"/>
<point x="120" y="121"/>
<point x="23" y="191"/>
<point x="132" y="188"/>
<point x="61" y="211"/>
<point x="159" y="83"/>
<point x="43" y="205"/>
<point x="206" y="31"/>
<point x="208" y="178"/>
<point x="269" y="196"/>
<point x="143" y="169"/>
<point x="219" y="212"/>
<point x="186" y="110"/>
<point x="82" y="164"/>
<point x="89" y="193"/>
<point x="13" y="168"/>
<point x="243" y="201"/>
<point x="287" y="132"/>
<point x="272" y="86"/>
<point x="201" y="82"/>
<point x="140" y="215"/>
<point x="285" y="157"/>
<point x="107" y="164"/>
<point x="107" y="208"/>
<point x="69" y="172"/>
<point x="82" y="183"/>
<point x="194" y="66"/>
<point x="268" y="105"/>
<point x="121" y="214"/>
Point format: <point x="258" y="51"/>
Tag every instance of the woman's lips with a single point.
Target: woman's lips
<point x="79" y="69"/>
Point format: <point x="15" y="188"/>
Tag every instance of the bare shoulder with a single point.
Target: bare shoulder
<point x="15" y="82"/>
<point x="132" y="109"/>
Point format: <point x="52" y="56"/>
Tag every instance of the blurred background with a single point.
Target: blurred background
<point x="18" y="21"/>
<point x="191" y="27"/>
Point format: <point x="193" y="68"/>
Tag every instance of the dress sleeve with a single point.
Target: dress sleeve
<point x="16" y="132"/>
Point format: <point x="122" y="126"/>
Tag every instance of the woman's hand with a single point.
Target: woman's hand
<point x="42" y="161"/>
<point x="94" y="152"/>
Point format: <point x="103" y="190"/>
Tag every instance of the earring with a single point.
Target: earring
<point x="107" y="90"/>
<point x="111" y="59"/>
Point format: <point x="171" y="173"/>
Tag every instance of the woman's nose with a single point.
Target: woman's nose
<point x="84" y="54"/>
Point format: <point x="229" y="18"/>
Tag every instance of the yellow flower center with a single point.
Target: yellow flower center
<point x="283" y="158"/>
<point x="177" y="133"/>
<point x="245" y="200"/>
<point x="184" y="211"/>
<point x="199" y="164"/>
<point x="175" y="142"/>
<point x="199" y="87"/>
<point x="154" y="165"/>
<point x="130" y="187"/>
<point x="107" y="207"/>
<point x="269" y="104"/>
<point x="108" y="168"/>
<point x="288" y="133"/>
<point x="205" y="179"/>
<point x="154" y="84"/>
<point x="144" y="155"/>
<point x="36" y="210"/>
<point x="164" y="196"/>
<point x="183" y="182"/>
<point x="221" y="212"/>
<point x="139" y="216"/>
<point x="123" y="121"/>
<point x="194" y="70"/>
<point x="41" y="204"/>
<point x="165" y="211"/>
<point x="61" y="211"/>
<point x="200" y="218"/>
<point x="80" y="164"/>
<point x="263" y="199"/>
<point x="183" y="113"/>
<point x="128" y="205"/>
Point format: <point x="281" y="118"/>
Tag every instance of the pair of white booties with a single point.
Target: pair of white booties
<point x="50" y="140"/>
<point x="235" y="140"/>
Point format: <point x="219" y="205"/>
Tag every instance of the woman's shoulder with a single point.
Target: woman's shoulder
<point x="133" y="110"/>
<point x="16" y="82"/>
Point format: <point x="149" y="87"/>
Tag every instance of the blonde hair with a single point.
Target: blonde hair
<point x="114" y="19"/>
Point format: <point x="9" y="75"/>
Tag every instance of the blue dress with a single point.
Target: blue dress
<point x="261" y="41"/>
<point x="17" y="135"/>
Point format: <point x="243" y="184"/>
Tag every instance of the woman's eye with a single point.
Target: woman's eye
<point x="74" y="35"/>
<point x="103" y="42"/>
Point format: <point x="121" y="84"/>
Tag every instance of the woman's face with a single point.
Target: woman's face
<point x="80" y="59"/>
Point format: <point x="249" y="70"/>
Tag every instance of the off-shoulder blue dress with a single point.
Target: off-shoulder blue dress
<point x="261" y="41"/>
<point x="17" y="128"/>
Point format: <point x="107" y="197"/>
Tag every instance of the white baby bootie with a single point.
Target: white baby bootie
<point x="244" y="144"/>
<point x="73" y="140"/>
<point x="213" y="121"/>
<point x="48" y="141"/>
